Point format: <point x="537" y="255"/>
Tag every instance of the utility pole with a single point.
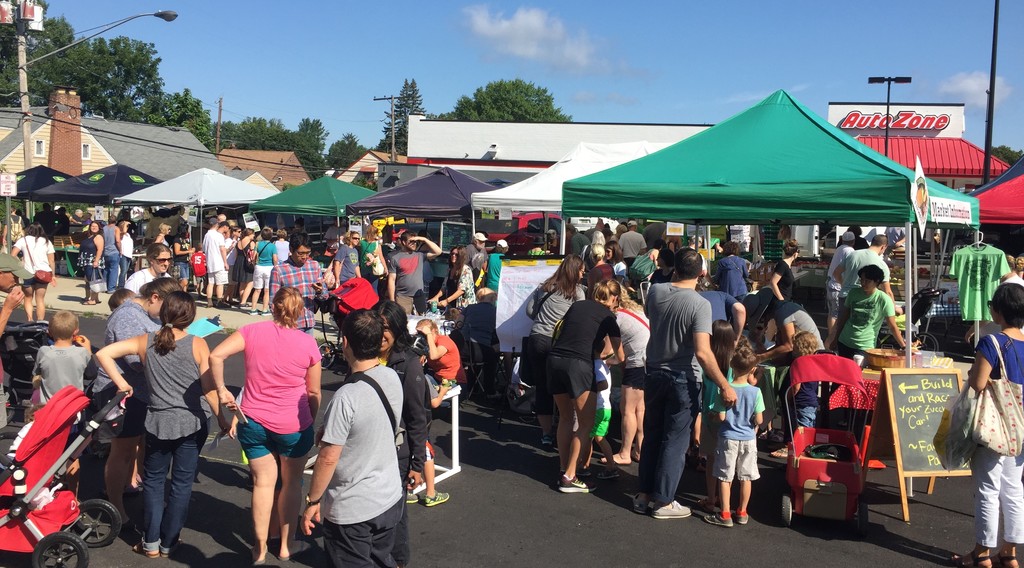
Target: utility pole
<point x="220" y="109"/>
<point x="21" y="26"/>
<point x="392" y="99"/>
<point x="990" y="111"/>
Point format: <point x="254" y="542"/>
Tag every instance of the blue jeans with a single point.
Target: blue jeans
<point x="124" y="265"/>
<point x="162" y="523"/>
<point x="672" y="402"/>
<point x="111" y="268"/>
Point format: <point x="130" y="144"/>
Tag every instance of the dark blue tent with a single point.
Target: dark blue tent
<point x="443" y="194"/>
<point x="100" y="187"/>
<point x="33" y="179"/>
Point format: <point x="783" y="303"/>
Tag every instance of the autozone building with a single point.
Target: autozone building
<point x="933" y="132"/>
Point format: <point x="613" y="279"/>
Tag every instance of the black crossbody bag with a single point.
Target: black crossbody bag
<point x="399" y="431"/>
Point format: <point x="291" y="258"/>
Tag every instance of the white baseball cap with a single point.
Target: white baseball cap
<point x="479" y="237"/>
<point x="502" y="243"/>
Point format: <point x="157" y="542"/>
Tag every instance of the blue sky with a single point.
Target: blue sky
<point x="654" y="61"/>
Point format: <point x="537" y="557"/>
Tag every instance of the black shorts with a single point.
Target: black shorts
<point x="634" y="377"/>
<point x="569" y="376"/>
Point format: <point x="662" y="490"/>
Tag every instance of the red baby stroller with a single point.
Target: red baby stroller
<point x="37" y="513"/>
<point x="825" y="469"/>
<point x="353" y="294"/>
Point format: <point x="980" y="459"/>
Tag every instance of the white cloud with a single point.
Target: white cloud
<point x="972" y="88"/>
<point x="535" y="35"/>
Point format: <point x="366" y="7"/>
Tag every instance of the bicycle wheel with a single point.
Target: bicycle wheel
<point x="927" y="342"/>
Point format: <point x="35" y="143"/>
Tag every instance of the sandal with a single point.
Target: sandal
<point x="971" y="559"/>
<point x="1008" y="561"/>
<point x="89" y="303"/>
<point x="781" y="453"/>
<point x="141" y="549"/>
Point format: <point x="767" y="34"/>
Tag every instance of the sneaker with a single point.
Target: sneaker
<point x="741" y="519"/>
<point x="572" y="485"/>
<point x="254" y="312"/>
<point x="265" y="313"/>
<point x="583" y="472"/>
<point x="608" y="474"/>
<point x="718" y="520"/>
<point x="671" y="511"/>
<point x="437" y="499"/>
<point x="411" y="498"/>
<point x="547" y="440"/>
<point x="641" y="507"/>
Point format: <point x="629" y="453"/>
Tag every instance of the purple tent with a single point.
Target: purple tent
<point x="443" y="194"/>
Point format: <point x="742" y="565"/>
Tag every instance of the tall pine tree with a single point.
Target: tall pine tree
<point x="409" y="101"/>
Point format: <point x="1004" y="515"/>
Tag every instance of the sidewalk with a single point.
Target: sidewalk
<point x="69" y="292"/>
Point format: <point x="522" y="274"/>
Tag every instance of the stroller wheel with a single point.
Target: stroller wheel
<point x="787" y="510"/>
<point x="60" y="549"/>
<point x="328" y="354"/>
<point x="927" y="342"/>
<point x="99" y="523"/>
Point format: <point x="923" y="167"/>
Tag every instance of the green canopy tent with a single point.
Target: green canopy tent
<point x="776" y="161"/>
<point x="324" y="196"/>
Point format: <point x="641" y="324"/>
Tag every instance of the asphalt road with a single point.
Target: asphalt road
<point x="504" y="511"/>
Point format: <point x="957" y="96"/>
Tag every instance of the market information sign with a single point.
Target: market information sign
<point x="919" y="196"/>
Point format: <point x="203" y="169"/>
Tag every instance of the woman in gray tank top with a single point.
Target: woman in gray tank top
<point x="177" y="373"/>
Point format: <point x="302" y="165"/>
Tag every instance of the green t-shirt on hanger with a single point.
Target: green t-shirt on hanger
<point x="977" y="271"/>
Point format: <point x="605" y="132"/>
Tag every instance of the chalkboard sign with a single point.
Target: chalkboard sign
<point x="907" y="413"/>
<point x="455" y="234"/>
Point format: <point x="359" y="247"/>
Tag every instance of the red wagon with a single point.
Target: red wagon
<point x="825" y="469"/>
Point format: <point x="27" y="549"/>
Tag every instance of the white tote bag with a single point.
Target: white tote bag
<point x="999" y="418"/>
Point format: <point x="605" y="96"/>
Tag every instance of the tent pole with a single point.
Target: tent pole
<point x="908" y="304"/>
<point x="561" y="238"/>
<point x="707" y="242"/>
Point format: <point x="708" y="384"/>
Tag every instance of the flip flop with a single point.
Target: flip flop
<point x="781" y="453"/>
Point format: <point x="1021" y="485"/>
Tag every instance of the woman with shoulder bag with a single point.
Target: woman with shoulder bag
<point x="245" y="266"/>
<point x="373" y="266"/>
<point x="37" y="257"/>
<point x="997" y="477"/>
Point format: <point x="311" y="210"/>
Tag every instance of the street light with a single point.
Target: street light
<point x="26" y="112"/>
<point x="990" y="109"/>
<point x="888" y="91"/>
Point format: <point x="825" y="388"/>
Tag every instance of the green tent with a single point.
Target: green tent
<point x="776" y="161"/>
<point x="324" y="196"/>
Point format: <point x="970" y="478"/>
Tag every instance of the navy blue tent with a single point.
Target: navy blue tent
<point x="33" y="179"/>
<point x="100" y="187"/>
<point x="443" y="194"/>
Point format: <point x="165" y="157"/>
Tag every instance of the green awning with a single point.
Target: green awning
<point x="776" y="161"/>
<point x="324" y="196"/>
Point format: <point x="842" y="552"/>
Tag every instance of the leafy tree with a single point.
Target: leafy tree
<point x="255" y="133"/>
<point x="409" y="101"/>
<point x="310" y="140"/>
<point x="1007" y="154"/>
<point x="512" y="101"/>
<point x="57" y="32"/>
<point x="183" y="109"/>
<point x="343" y="152"/>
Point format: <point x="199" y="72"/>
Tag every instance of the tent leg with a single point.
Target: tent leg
<point x="561" y="238"/>
<point x="908" y="277"/>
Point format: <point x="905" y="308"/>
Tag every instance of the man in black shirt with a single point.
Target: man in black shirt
<point x="48" y="219"/>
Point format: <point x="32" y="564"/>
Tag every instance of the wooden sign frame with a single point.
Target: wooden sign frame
<point x="885" y="434"/>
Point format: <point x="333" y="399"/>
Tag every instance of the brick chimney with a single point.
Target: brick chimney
<point x="65" y="131"/>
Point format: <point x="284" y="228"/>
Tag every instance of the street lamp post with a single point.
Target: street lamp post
<point x="990" y="110"/>
<point x="888" y="92"/>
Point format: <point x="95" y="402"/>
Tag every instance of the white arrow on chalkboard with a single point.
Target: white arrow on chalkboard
<point x="905" y="387"/>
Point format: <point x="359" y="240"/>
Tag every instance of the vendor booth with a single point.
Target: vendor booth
<point x="100" y="187"/>
<point x="325" y="197"/>
<point x="444" y="194"/>
<point x="32" y="180"/>
<point x="202" y="187"/>
<point x="1002" y="200"/>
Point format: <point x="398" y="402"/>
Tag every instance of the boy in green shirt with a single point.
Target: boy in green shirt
<point x="862" y="316"/>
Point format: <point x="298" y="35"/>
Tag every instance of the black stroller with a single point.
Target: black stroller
<point x="19" y="344"/>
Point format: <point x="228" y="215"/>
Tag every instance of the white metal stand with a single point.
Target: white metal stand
<point x="446" y="472"/>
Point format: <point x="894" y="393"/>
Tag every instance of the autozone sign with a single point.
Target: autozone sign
<point x="903" y="120"/>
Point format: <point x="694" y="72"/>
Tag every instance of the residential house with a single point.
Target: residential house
<point x="367" y="166"/>
<point x="66" y="141"/>
<point x="251" y="176"/>
<point x="282" y="168"/>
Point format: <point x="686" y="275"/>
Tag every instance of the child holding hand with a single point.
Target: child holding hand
<point x="736" y="455"/>
<point x="66" y="362"/>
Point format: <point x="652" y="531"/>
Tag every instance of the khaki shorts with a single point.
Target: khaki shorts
<point x="405" y="302"/>
<point x="709" y="426"/>
<point x="219" y="278"/>
<point x="736" y="459"/>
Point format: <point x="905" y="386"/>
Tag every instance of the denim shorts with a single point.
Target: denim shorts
<point x="257" y="441"/>
<point x="184" y="270"/>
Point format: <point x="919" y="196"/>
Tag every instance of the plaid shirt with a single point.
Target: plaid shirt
<point x="302" y="279"/>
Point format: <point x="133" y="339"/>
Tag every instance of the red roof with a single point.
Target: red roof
<point x="953" y="157"/>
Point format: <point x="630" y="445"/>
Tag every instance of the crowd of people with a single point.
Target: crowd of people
<point x="632" y="306"/>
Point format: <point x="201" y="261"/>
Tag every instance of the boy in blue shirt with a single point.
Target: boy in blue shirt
<point x="736" y="455"/>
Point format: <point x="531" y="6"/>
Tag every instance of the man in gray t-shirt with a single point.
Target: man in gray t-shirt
<point x="405" y="277"/>
<point x="356" y="472"/>
<point x="679" y="349"/>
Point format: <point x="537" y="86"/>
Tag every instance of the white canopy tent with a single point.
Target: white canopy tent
<point x="543" y="192"/>
<point x="203" y="187"/>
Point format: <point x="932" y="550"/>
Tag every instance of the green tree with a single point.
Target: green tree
<point x="310" y="140"/>
<point x="183" y="109"/>
<point x="512" y="101"/>
<point x="409" y="101"/>
<point x="1007" y="154"/>
<point x="256" y="133"/>
<point x="343" y="152"/>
